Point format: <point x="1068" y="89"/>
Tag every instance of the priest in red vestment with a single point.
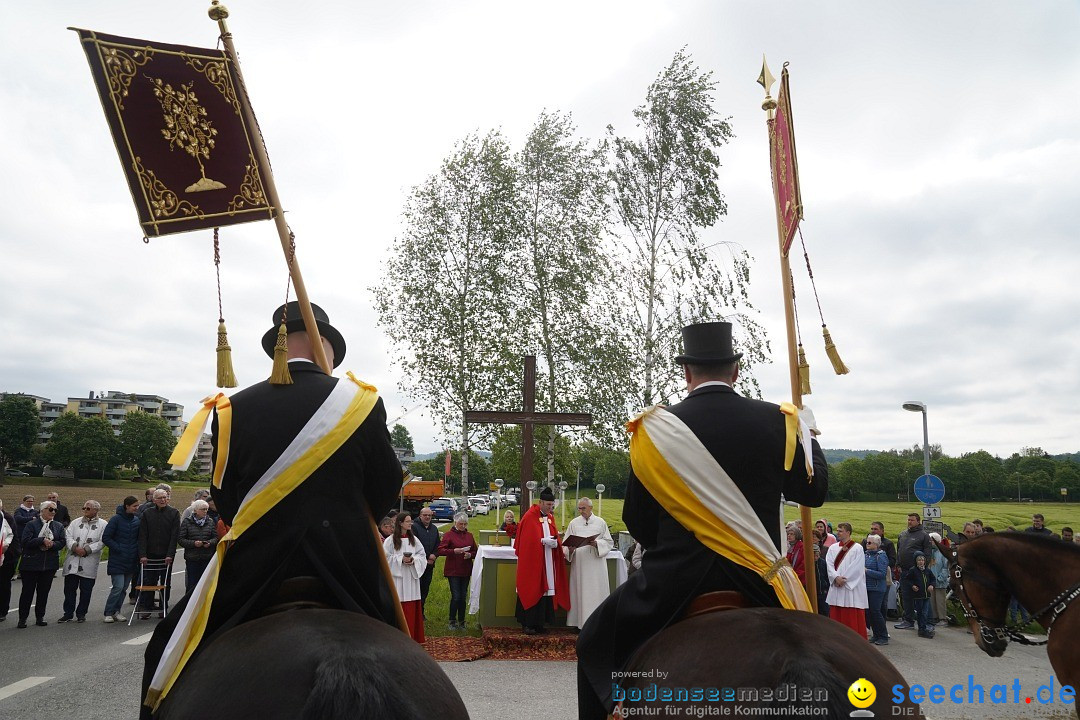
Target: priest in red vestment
<point x="541" y="570"/>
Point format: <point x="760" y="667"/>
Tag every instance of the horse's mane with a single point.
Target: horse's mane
<point x="1041" y="542"/>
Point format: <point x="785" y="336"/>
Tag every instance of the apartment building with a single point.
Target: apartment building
<point x="112" y="405"/>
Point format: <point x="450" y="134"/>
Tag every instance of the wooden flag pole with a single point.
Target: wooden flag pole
<point x="219" y="13"/>
<point x="766" y="80"/>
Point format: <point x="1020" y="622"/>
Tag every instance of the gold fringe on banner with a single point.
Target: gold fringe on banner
<point x="830" y="349"/>
<point x="280" y="374"/>
<point x="804" y="372"/>
<point x="226" y="378"/>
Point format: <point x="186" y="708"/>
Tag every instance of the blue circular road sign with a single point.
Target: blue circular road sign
<point x="929" y="489"/>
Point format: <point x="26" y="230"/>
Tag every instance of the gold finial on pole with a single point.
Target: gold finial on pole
<point x="217" y="11"/>
<point x="765" y="80"/>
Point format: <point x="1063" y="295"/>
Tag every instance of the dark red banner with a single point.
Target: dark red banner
<point x="785" y="168"/>
<point x="175" y="116"/>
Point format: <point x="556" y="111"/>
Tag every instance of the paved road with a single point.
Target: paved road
<point x="91" y="671"/>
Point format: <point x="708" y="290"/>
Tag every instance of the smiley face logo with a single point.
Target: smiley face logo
<point x="862" y="693"/>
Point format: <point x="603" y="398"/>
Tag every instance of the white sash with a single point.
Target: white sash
<point x="325" y="419"/>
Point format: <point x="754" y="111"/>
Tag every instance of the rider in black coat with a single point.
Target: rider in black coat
<point x="322" y="527"/>
<point x="747" y="438"/>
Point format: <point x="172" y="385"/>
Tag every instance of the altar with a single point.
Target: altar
<point x="493" y="585"/>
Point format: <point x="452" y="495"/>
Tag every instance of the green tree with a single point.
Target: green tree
<point x="145" y="441"/>
<point x="612" y="470"/>
<point x="64" y="447"/>
<point x="566" y="281"/>
<point x="400" y="438"/>
<point x="81" y="444"/>
<point x="665" y="190"/>
<point x="506" y="449"/>
<point x="19" y="428"/>
<point x="101" y="447"/>
<point x="445" y="300"/>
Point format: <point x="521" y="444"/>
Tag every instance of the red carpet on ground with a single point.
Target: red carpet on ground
<point x="505" y="644"/>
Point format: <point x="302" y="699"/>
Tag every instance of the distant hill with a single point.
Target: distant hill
<point x="838" y="456"/>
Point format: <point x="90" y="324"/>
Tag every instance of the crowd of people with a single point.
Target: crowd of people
<point x="39" y="540"/>
<point x="860" y="583"/>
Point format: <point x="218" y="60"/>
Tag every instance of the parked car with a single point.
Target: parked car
<point x="443" y="509"/>
<point x="510" y="498"/>
<point x="16" y="473"/>
<point x="481" y="504"/>
<point x="466" y="505"/>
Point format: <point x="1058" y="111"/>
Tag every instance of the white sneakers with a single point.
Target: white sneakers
<point x="115" y="617"/>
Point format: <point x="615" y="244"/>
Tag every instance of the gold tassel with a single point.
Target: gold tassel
<point x="226" y="378"/>
<point x="838" y="365"/>
<point x="280" y="374"/>
<point x="804" y="372"/>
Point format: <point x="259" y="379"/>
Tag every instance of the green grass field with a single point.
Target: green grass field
<point x="998" y="515"/>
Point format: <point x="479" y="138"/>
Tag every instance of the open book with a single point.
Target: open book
<point x="574" y="541"/>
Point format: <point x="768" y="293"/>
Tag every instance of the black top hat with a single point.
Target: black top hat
<point x="707" y="344"/>
<point x="294" y="322"/>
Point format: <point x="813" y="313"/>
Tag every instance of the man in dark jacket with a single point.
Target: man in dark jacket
<point x="63" y="515"/>
<point x="428" y="535"/>
<point x="748" y="439"/>
<point x="914" y="539"/>
<point x="121" y="536"/>
<point x="159" y="531"/>
<point x="11" y="541"/>
<point x="323" y="526"/>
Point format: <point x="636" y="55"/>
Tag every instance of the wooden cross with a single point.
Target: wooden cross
<point x="527" y="418"/>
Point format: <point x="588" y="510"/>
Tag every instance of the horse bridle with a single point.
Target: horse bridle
<point x="1001" y="632"/>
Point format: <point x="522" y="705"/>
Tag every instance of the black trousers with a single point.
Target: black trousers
<point x="7" y="571"/>
<point x="425" y="584"/>
<point x="35" y="582"/>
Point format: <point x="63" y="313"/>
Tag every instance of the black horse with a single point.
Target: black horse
<point x="803" y="659"/>
<point x="313" y="664"/>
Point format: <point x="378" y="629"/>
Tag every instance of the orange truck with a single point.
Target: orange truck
<point x="415" y="492"/>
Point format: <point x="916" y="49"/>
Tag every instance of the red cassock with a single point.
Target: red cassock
<point x="531" y="577"/>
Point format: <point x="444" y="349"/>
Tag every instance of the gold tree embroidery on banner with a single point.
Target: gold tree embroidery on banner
<point x="251" y="190"/>
<point x="163" y="201"/>
<point x="120" y="67"/>
<point x="187" y="127"/>
<point x="216" y="75"/>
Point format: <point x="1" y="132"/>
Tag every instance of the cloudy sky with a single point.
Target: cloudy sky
<point x="939" y="150"/>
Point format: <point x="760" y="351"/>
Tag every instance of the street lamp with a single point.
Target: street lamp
<point x="498" y="504"/>
<point x="562" y="499"/>
<point x="600" y="494"/>
<point x="920" y="407"/>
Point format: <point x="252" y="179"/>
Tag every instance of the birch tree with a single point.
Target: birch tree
<point x="664" y="180"/>
<point x="445" y="299"/>
<point x="566" y="278"/>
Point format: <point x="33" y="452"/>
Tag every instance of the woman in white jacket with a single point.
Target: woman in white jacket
<point x="84" y="546"/>
<point x="407" y="560"/>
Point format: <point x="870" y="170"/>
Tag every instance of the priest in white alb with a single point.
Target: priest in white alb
<point x="588" y="565"/>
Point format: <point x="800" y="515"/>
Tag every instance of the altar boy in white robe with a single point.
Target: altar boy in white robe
<point x="847" y="581"/>
<point x="588" y="565"/>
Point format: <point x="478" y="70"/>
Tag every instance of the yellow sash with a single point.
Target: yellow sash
<point x="693" y="488"/>
<point x="343" y="414"/>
